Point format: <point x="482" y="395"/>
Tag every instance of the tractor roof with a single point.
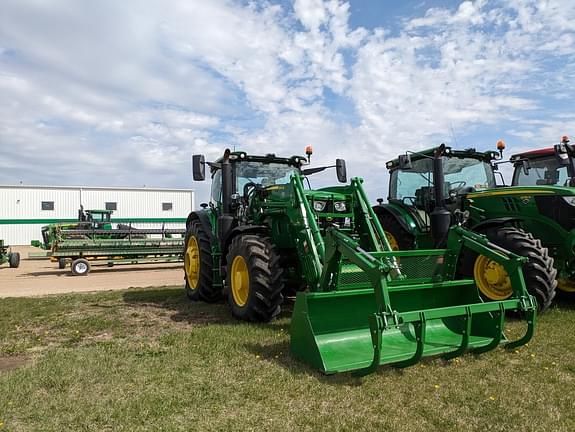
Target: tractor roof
<point x="268" y="158"/>
<point x="543" y="152"/>
<point x="487" y="156"/>
<point x="99" y="211"/>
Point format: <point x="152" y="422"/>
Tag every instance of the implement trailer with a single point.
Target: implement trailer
<point x="358" y="304"/>
<point x="84" y="248"/>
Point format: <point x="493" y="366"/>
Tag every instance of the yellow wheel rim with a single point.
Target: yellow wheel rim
<point x="240" y="281"/>
<point x="566" y="284"/>
<point x="392" y="241"/>
<point x="192" y="262"/>
<point x="492" y="279"/>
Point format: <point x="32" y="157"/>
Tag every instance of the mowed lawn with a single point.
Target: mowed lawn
<point x="151" y="360"/>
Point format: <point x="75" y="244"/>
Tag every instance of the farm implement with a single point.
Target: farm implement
<point x="7" y="256"/>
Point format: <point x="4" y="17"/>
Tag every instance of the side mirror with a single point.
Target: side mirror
<point x="561" y="153"/>
<point x="405" y="162"/>
<point x="525" y="166"/>
<point x="340" y="170"/>
<point x="198" y="167"/>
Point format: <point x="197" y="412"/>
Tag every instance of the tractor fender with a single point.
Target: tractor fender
<point x="204" y="219"/>
<point x="403" y="218"/>
<point x="246" y="229"/>
<point x="489" y="223"/>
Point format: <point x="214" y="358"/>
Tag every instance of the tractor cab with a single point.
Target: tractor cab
<point x="96" y="219"/>
<point x="551" y="166"/>
<point x="412" y="186"/>
<point x="242" y="184"/>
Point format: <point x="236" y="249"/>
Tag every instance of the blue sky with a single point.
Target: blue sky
<point x="122" y="93"/>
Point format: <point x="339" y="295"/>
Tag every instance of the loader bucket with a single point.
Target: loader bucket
<point x="332" y="331"/>
<point x="367" y="320"/>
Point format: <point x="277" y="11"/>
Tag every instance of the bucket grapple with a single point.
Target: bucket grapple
<point x="376" y="306"/>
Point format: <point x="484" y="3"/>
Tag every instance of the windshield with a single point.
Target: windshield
<point x="264" y="174"/>
<point x="459" y="173"/>
<point x="468" y="173"/>
<point x="542" y="172"/>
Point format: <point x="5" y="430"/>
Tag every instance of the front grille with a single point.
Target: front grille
<point x="422" y="267"/>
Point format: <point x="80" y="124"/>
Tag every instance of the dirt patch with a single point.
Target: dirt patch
<point x="8" y="363"/>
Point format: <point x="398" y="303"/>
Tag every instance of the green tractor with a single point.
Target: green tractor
<point x="551" y="172"/>
<point x="264" y="236"/>
<point x="7" y="256"/>
<point x="460" y="185"/>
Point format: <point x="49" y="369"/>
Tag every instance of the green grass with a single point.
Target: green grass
<point x="150" y="360"/>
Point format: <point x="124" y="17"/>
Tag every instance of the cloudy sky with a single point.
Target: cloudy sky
<point x="121" y="93"/>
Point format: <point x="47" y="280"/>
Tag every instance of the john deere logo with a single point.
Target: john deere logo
<point x="525" y="199"/>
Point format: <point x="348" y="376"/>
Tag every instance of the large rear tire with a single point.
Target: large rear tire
<point x="492" y="280"/>
<point x="198" y="265"/>
<point x="14" y="260"/>
<point x="397" y="236"/>
<point x="254" y="280"/>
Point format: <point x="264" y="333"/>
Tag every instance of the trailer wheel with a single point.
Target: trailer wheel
<point x="493" y="281"/>
<point x="397" y="236"/>
<point x="80" y="267"/>
<point x="61" y="263"/>
<point x="198" y="266"/>
<point x="14" y="260"/>
<point x="254" y="279"/>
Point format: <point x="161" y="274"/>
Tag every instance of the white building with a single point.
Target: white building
<point x="25" y="209"/>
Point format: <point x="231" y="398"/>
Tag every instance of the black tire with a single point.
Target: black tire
<point x="265" y="278"/>
<point x="200" y="287"/>
<point x="405" y="241"/>
<point x="539" y="273"/>
<point x="80" y="267"/>
<point x="61" y="263"/>
<point x="14" y="260"/>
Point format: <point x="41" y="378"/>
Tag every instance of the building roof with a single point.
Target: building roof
<point x="118" y="188"/>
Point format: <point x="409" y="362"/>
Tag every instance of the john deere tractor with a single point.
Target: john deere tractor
<point x="550" y="174"/>
<point x="460" y="184"/>
<point x="7" y="256"/>
<point x="359" y="304"/>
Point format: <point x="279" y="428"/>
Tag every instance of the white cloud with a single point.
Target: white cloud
<point x="123" y="92"/>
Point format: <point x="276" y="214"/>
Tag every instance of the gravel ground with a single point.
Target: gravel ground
<point x="39" y="277"/>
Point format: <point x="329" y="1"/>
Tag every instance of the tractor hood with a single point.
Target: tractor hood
<point x="524" y="191"/>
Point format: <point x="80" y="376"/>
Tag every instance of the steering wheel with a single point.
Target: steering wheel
<point x="460" y="184"/>
<point x="250" y="185"/>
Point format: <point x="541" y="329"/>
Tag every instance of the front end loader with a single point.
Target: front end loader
<point x="358" y="303"/>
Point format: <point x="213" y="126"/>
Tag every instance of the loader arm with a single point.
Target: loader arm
<point x="385" y="319"/>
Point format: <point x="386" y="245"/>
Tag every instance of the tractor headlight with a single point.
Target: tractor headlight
<point x="319" y="205"/>
<point x="340" y="206"/>
<point x="569" y="200"/>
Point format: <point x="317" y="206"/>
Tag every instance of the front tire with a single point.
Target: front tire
<point x="198" y="265"/>
<point x="538" y="272"/>
<point x="254" y="278"/>
<point x="397" y="237"/>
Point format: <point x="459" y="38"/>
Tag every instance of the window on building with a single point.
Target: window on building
<point x="47" y="205"/>
<point x="111" y="206"/>
<point x="167" y="206"/>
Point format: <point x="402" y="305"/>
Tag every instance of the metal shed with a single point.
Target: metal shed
<point x="25" y="209"/>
